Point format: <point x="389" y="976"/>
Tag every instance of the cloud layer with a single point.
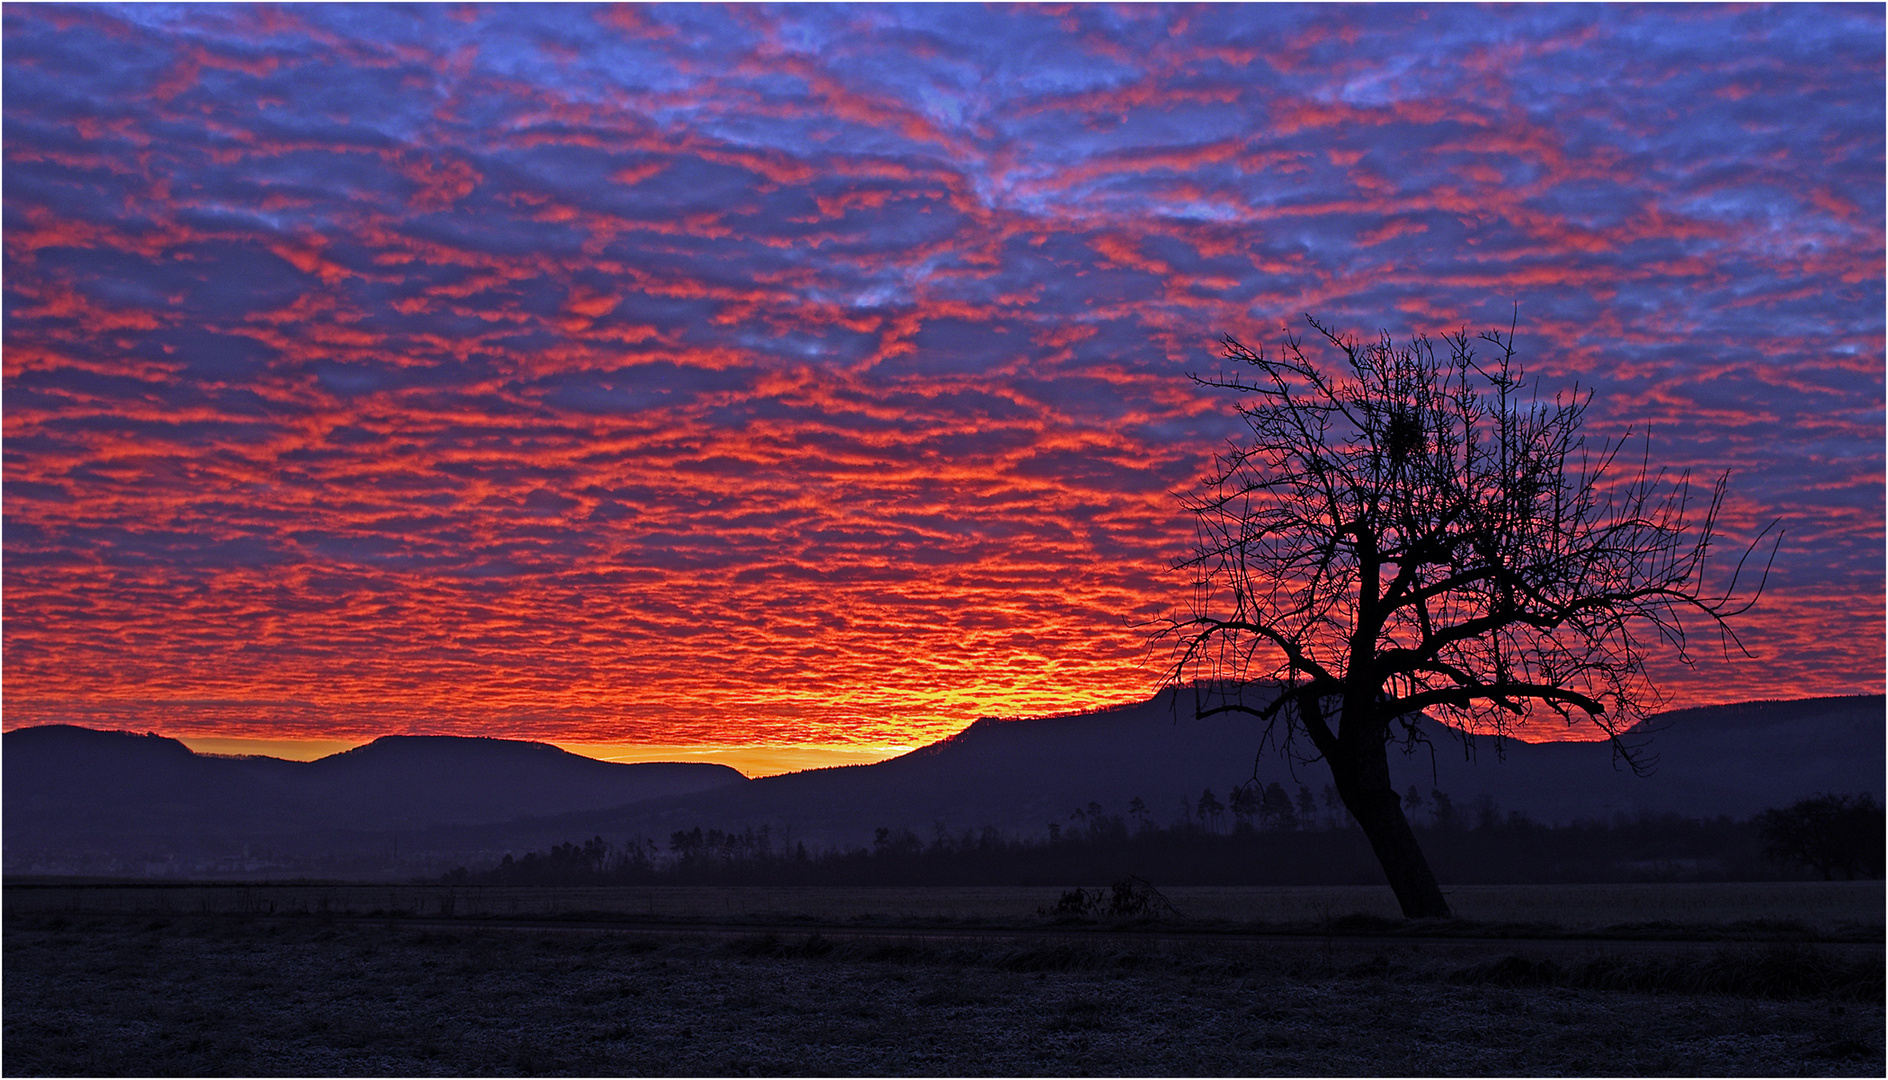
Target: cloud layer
<point x="816" y="375"/>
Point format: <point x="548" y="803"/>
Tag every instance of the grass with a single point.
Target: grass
<point x="189" y="994"/>
<point x="1843" y="908"/>
<point x="1778" y="971"/>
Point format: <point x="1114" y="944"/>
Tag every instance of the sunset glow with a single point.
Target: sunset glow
<point x="814" y="377"/>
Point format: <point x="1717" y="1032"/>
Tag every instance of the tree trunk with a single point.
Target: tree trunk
<point x="1362" y="776"/>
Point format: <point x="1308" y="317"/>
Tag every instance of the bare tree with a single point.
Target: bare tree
<point x="1416" y="528"/>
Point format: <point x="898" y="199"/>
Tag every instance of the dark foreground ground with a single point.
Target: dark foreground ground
<point x="222" y="995"/>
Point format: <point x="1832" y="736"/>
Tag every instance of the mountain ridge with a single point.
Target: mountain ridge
<point x="124" y="795"/>
<point x="447" y="795"/>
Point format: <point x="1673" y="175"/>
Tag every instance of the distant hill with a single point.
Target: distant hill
<point x="72" y="785"/>
<point x="70" y="791"/>
<point x="1021" y="775"/>
<point x="77" y="799"/>
<point x="437" y="779"/>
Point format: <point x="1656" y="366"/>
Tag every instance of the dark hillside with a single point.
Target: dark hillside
<point x="76" y="786"/>
<point x="75" y="797"/>
<point x="1023" y="775"/>
<point x="445" y="779"/>
<point x="111" y="801"/>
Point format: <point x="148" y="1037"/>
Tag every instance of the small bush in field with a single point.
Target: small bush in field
<point x="1132" y="897"/>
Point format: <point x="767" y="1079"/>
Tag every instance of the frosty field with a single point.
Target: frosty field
<point x="114" y="992"/>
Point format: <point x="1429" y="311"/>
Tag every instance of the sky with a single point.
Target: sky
<point x="811" y="381"/>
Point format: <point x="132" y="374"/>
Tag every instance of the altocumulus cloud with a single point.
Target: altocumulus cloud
<point x="816" y="374"/>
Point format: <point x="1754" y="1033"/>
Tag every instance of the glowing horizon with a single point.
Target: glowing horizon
<point x="751" y="760"/>
<point x="814" y="378"/>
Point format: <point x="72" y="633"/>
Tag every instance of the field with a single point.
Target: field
<point x="1819" y="906"/>
<point x="260" y="980"/>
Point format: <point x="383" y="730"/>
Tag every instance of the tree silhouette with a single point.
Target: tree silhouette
<point x="1137" y="809"/>
<point x="1244" y="802"/>
<point x="1442" y="810"/>
<point x="1413" y="529"/>
<point x="1831" y="833"/>
<point x="1211" y="810"/>
<point x="1307" y="807"/>
<point x="1275" y="807"/>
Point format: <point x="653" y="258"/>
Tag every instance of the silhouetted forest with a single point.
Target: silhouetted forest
<point x="1253" y="838"/>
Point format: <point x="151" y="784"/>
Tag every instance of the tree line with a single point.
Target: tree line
<point x="1828" y="836"/>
